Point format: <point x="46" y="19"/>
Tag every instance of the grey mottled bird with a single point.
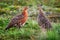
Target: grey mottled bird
<point x="43" y="22"/>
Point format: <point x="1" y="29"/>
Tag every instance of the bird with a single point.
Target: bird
<point x="19" y="20"/>
<point x="43" y="21"/>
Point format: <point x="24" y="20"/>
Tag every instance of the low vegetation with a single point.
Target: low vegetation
<point x="30" y="31"/>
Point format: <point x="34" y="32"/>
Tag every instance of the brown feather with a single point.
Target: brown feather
<point x="19" y="19"/>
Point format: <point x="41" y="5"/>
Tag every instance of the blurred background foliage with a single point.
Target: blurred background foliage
<point x="54" y="3"/>
<point x="48" y="5"/>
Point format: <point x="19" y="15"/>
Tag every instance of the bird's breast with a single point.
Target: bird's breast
<point x="23" y="20"/>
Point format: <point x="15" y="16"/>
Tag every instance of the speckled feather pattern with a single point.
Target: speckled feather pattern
<point x="43" y="21"/>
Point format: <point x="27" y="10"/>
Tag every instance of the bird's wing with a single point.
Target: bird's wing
<point x="19" y="17"/>
<point x="41" y="19"/>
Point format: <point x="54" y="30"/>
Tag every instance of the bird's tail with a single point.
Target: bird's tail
<point x="9" y="26"/>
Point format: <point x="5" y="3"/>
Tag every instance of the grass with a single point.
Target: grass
<point x="30" y="31"/>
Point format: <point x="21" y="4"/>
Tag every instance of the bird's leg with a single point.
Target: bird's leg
<point x="43" y="25"/>
<point x="18" y="25"/>
<point x="23" y="24"/>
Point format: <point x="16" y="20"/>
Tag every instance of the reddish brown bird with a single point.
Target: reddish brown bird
<point x="43" y="22"/>
<point x="19" y="20"/>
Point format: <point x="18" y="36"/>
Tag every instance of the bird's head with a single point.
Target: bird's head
<point x="39" y="7"/>
<point x="25" y="8"/>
